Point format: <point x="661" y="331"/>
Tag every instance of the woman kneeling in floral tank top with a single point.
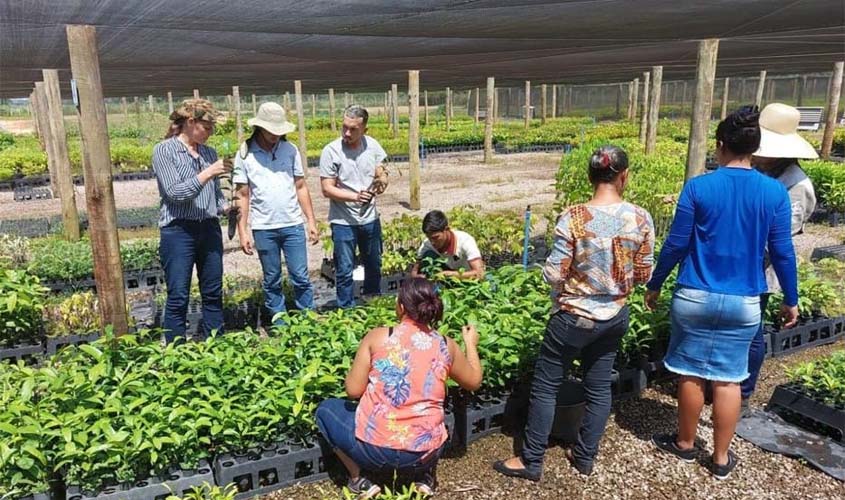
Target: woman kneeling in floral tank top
<point x="400" y="375"/>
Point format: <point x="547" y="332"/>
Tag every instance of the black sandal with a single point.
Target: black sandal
<point x="501" y="468"/>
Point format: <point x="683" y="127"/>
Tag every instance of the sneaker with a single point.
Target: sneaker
<point x="721" y="472"/>
<point x="668" y="443"/>
<point x="426" y="484"/>
<point x="363" y="488"/>
<point x="585" y="470"/>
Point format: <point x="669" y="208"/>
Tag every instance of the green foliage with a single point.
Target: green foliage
<point x="14" y="250"/>
<point x="77" y="314"/>
<point x="54" y="258"/>
<point x="21" y="305"/>
<point x="6" y="140"/>
<point x="19" y="161"/>
<point x="834" y="193"/>
<point x="209" y="492"/>
<point x="824" y="378"/>
<point x="819" y="291"/>
<point x="828" y="181"/>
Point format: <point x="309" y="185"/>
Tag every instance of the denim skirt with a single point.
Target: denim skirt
<point x="711" y="334"/>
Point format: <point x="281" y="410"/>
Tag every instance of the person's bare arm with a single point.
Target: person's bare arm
<point x="244" y="236"/>
<point x="466" y="368"/>
<point x="415" y="271"/>
<point x="331" y="191"/>
<point x="303" y="195"/>
<point x="358" y="376"/>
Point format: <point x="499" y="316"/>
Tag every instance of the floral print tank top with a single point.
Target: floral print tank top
<point x="402" y="408"/>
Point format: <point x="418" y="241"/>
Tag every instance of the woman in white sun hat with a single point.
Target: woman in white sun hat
<point x="780" y="149"/>
<point x="275" y="201"/>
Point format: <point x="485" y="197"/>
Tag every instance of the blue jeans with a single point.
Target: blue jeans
<point x="184" y="244"/>
<point x="270" y="243"/>
<point x="336" y="421"/>
<point x="566" y="336"/>
<point x="367" y="237"/>
<point x="756" y="354"/>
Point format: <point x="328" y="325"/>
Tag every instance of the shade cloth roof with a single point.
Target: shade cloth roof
<point x="155" y="46"/>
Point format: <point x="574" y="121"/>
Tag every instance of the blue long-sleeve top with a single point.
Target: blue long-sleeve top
<point x="723" y="224"/>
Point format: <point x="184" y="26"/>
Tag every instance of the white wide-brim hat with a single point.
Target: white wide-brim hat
<point x="779" y="134"/>
<point x="272" y="118"/>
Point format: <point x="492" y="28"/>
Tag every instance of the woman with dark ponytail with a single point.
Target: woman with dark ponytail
<point x="723" y="224"/>
<point x="399" y="374"/>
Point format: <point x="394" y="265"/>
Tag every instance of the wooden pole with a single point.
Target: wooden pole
<point x="771" y="92"/>
<point x="684" y="97"/>
<point x="236" y="101"/>
<point x="761" y="85"/>
<point x="125" y="107"/>
<point x="447" y="110"/>
<point x="345" y="100"/>
<point x="653" y="109"/>
<point x="313" y="106"/>
<point x="57" y="147"/>
<point x="196" y="93"/>
<point x="741" y="89"/>
<point x="644" y="108"/>
<point x="99" y="193"/>
<point x="725" y="96"/>
<point x="488" y="120"/>
<point x="425" y="105"/>
<point x="635" y="98"/>
<point x="394" y="88"/>
<point x="832" y="109"/>
<point x="286" y="104"/>
<point x="331" y="111"/>
<point x="414" y="136"/>
<point x="527" y="112"/>
<point x="702" y="106"/>
<point x="543" y="101"/>
<point x="554" y="101"/>
<point x="630" y="111"/>
<point x="152" y="104"/>
<point x="800" y="99"/>
<point x="42" y="124"/>
<point x="495" y="105"/>
<point x="300" y="120"/>
<point x="477" y="103"/>
<point x="169" y="103"/>
<point x="254" y="106"/>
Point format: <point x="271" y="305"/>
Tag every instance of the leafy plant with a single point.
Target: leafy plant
<point x="209" y="492"/>
<point x="77" y="314"/>
<point x="824" y="378"/>
<point x="14" y="250"/>
<point x="21" y="306"/>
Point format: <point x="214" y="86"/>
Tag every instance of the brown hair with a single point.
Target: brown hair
<point x="197" y="109"/>
<point x="421" y="301"/>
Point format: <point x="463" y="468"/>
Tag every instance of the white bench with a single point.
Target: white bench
<point x="811" y="118"/>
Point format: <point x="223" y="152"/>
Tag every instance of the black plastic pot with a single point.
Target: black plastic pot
<point x="569" y="411"/>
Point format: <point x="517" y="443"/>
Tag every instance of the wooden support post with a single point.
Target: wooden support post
<point x="761" y="85"/>
<point x="653" y="109"/>
<point x="527" y="112"/>
<point x="387" y="110"/>
<point x="684" y="97"/>
<point x="41" y="119"/>
<point x="151" y="103"/>
<point x="644" y="107"/>
<point x="543" y="101"/>
<point x="554" y="101"/>
<point x="832" y="109"/>
<point x="414" y="137"/>
<point x="57" y="147"/>
<point x="803" y="85"/>
<point x="741" y="90"/>
<point x="286" y="104"/>
<point x="345" y="100"/>
<point x="630" y="111"/>
<point x="313" y="106"/>
<point x="125" y="107"/>
<point x="477" y="103"/>
<point x="99" y="192"/>
<point x="254" y="106"/>
<point x="394" y="88"/>
<point x="771" y="93"/>
<point x="488" y="120"/>
<point x="331" y="111"/>
<point x="425" y="105"/>
<point x="702" y="107"/>
<point x="635" y="99"/>
<point x="169" y="103"/>
<point x="196" y="93"/>
<point x="236" y="101"/>
<point x="495" y="105"/>
<point x="351" y="99"/>
<point x="447" y="109"/>
<point x="300" y="120"/>
<point x="725" y="96"/>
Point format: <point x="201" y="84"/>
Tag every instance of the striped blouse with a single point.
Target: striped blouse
<point x="182" y="195"/>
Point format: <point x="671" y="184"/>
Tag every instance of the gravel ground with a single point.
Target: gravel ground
<point x="628" y="467"/>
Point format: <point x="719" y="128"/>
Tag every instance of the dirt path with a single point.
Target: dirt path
<point x="17" y="126"/>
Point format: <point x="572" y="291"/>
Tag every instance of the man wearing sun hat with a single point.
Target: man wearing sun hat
<point x="275" y="201"/>
<point x="780" y="149"/>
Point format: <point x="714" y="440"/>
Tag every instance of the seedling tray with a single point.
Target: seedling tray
<point x="794" y="404"/>
<point x="177" y="482"/>
<point x="27" y="353"/>
<point x="803" y="336"/>
<point x="55" y="344"/>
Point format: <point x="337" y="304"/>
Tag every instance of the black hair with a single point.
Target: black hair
<point x="421" y="301"/>
<point x="255" y="131"/>
<point x="739" y="132"/>
<point x="434" y="221"/>
<point x="606" y="163"/>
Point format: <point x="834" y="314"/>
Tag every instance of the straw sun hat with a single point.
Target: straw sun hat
<point x="272" y="118"/>
<point x="779" y="134"/>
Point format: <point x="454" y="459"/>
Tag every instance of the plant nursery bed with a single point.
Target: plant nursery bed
<point x="273" y="466"/>
<point x="26" y="352"/>
<point x="477" y="416"/>
<point x="796" y="405"/>
<point x="134" y="281"/>
<point x="389" y="284"/>
<point x="175" y="482"/>
<point x="806" y="334"/>
<point x="55" y="344"/>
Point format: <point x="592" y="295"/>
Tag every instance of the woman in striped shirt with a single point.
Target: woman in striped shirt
<point x="187" y="172"/>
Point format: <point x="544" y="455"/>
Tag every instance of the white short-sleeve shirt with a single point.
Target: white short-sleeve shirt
<point x="271" y="177"/>
<point x="465" y="251"/>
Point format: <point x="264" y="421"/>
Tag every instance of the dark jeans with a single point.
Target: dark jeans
<point x="185" y="244"/>
<point x="367" y="238"/>
<point x="566" y="337"/>
<point x="336" y="421"/>
<point x="756" y="353"/>
<point x="270" y="244"/>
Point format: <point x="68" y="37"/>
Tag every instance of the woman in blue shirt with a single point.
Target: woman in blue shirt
<point x="723" y="224"/>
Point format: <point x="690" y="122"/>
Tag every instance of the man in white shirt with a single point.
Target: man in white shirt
<point x="275" y="199"/>
<point x="456" y="249"/>
<point x="351" y="175"/>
